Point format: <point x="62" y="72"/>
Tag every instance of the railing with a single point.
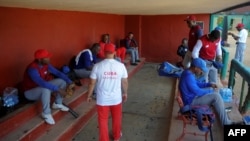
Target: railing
<point x="225" y="59"/>
<point x="244" y="72"/>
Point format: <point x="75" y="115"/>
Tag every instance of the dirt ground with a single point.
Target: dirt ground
<point x="147" y="111"/>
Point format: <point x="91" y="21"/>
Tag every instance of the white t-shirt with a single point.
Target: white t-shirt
<point x="108" y="74"/>
<point x="243" y="36"/>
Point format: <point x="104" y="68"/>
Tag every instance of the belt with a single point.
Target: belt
<point x="239" y="43"/>
<point x="209" y="62"/>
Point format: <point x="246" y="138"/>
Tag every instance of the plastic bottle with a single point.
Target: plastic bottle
<point x="222" y="93"/>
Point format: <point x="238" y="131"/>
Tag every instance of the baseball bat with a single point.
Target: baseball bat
<point x="73" y="113"/>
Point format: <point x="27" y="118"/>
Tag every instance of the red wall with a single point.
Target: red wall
<point x="63" y="33"/>
<point x="133" y="24"/>
<point x="161" y="35"/>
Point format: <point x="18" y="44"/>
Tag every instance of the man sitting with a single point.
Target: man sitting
<point x="120" y="51"/>
<point x="39" y="84"/>
<point x="194" y="92"/>
<point x="182" y="50"/>
<point x="132" y="48"/>
<point x="85" y="61"/>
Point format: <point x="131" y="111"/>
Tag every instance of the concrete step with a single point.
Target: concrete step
<point x="68" y="127"/>
<point x="25" y="124"/>
<point x="35" y="126"/>
<point x="18" y="117"/>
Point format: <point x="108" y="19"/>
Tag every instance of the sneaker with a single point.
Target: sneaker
<point x="48" y="118"/>
<point x="60" y="106"/>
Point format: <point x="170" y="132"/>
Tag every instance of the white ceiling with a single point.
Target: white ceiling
<point x="128" y="7"/>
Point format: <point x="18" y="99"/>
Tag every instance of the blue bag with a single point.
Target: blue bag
<point x="200" y="111"/>
<point x="167" y="69"/>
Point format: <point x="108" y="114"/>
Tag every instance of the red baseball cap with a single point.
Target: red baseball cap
<point x="190" y="18"/>
<point x="42" y="53"/>
<point x="240" y="25"/>
<point x="109" y="48"/>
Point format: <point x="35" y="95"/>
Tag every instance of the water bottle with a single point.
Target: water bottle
<point x="226" y="94"/>
<point x="222" y="93"/>
<point x="229" y="94"/>
<point x="10" y="97"/>
<point x="7" y="101"/>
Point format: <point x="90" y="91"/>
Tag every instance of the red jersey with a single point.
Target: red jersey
<point x="28" y="83"/>
<point x="194" y="34"/>
<point x="208" y="49"/>
<point x="101" y="53"/>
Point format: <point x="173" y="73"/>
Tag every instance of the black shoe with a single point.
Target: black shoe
<point x="78" y="82"/>
<point x="134" y="64"/>
<point x="138" y="61"/>
<point x="94" y="96"/>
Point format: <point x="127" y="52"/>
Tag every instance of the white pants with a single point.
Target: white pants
<point x="187" y="60"/>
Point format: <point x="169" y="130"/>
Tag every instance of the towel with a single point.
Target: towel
<point x="80" y="53"/>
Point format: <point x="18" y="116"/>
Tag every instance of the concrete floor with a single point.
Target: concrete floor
<point x="246" y="63"/>
<point x="147" y="112"/>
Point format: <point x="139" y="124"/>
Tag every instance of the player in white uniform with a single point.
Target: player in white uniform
<point x="110" y="79"/>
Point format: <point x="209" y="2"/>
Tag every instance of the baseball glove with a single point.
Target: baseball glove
<point x="70" y="90"/>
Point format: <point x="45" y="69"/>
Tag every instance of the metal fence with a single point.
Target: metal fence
<point x="244" y="72"/>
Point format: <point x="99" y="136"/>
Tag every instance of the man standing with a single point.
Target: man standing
<point x="201" y="93"/>
<point x="208" y="48"/>
<point x="38" y="83"/>
<point x="110" y="79"/>
<point x="132" y="48"/>
<point x="195" y="33"/>
<point x="241" y="40"/>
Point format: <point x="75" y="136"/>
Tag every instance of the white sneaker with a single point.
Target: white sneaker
<point x="48" y="118"/>
<point x="60" y="106"/>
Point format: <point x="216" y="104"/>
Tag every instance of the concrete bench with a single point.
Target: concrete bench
<point x="25" y="124"/>
<point x="28" y="110"/>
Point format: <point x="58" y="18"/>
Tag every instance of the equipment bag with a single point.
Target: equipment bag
<point x="167" y="69"/>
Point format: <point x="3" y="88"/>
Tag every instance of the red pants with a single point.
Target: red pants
<point x="121" y="53"/>
<point x="103" y="116"/>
